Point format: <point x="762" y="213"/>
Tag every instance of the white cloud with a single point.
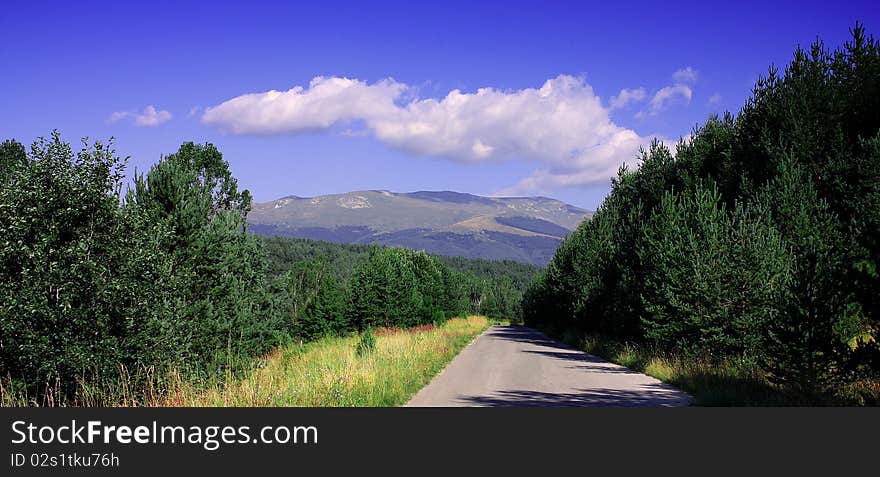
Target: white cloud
<point x="118" y="116"/>
<point x="151" y="117"/>
<point x="679" y="93"/>
<point x="685" y="75"/>
<point x="714" y="99"/>
<point x="561" y="125"/>
<point x="148" y="117"/>
<point x="595" y="166"/>
<point x="627" y="96"/>
<point x="327" y="102"/>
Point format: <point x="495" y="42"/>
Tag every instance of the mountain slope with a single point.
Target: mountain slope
<point x="526" y="229"/>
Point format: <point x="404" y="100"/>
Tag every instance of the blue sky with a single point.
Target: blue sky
<point x="480" y="97"/>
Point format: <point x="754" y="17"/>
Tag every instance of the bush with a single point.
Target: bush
<point x="66" y="290"/>
<point x="367" y="343"/>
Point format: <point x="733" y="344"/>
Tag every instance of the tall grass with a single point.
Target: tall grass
<point x="330" y="372"/>
<point x="732" y="382"/>
<point x="327" y="372"/>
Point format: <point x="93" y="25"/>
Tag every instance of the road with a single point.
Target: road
<point x="518" y="366"/>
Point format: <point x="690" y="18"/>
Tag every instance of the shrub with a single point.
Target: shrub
<point x="367" y="343"/>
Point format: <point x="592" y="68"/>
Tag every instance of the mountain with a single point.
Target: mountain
<point x="525" y="229"/>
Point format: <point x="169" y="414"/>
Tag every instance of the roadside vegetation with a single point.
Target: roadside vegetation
<point x="342" y="371"/>
<point x="108" y="288"/>
<point x="746" y="266"/>
<point x="330" y="371"/>
<point x="730" y="382"/>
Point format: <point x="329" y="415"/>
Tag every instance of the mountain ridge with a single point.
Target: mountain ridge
<point x="526" y="229"/>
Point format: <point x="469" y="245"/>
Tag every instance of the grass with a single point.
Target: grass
<point x="329" y="372"/>
<point x="325" y="373"/>
<point x="501" y="322"/>
<point x="711" y="383"/>
<point x="732" y="383"/>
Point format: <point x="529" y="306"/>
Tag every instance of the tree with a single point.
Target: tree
<point x="12" y="157"/>
<point x="759" y="237"/>
<point x="502" y="300"/>
<point x="807" y="342"/>
<point x="712" y="277"/>
<point x="63" y="306"/>
<point x="399" y="287"/>
<point x="312" y="300"/>
<point x="219" y="304"/>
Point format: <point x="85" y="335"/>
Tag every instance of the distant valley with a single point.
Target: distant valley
<point x="525" y="229"/>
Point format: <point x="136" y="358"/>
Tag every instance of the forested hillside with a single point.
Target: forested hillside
<point x="99" y="280"/>
<point x="756" y="242"/>
<point x="282" y="252"/>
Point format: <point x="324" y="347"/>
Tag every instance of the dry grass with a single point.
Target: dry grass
<point x="329" y="372"/>
<point x="729" y="383"/>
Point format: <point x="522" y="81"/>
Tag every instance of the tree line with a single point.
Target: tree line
<point x="757" y="240"/>
<point x="344" y="258"/>
<point x="97" y="274"/>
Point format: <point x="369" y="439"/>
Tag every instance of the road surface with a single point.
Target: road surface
<point x="518" y="366"/>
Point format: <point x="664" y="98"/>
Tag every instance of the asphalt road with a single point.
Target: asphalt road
<point x="518" y="366"/>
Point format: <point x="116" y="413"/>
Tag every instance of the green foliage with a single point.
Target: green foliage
<point x="711" y="277"/>
<point x="807" y="343"/>
<point x="757" y="240"/>
<point x="367" y="343"/>
<point x="283" y="252"/>
<point x="92" y="282"/>
<point x="312" y="303"/>
<point x="12" y="156"/>
<point x="217" y="307"/>
<point x="502" y="300"/>
<point x="395" y="287"/>
<point x="463" y="286"/>
<point x="64" y="296"/>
